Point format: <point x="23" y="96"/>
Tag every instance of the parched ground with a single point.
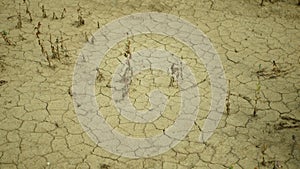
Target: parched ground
<point x="38" y="123"/>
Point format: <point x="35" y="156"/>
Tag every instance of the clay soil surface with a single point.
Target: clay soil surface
<point x="258" y="45"/>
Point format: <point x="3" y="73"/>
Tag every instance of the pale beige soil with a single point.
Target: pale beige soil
<point x="38" y="123"/>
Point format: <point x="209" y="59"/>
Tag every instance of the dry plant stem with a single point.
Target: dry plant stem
<point x="27" y="10"/>
<point x="3" y="34"/>
<point x="257" y="97"/>
<point x="70" y="91"/>
<point x="80" y="20"/>
<point x="212" y="4"/>
<point x="86" y="37"/>
<point x="128" y="74"/>
<point x="127" y="82"/>
<point x="44" y="12"/>
<point x="19" y="23"/>
<point x="61" y="43"/>
<point x="57" y="52"/>
<point x="174" y="73"/>
<point x="53" y="51"/>
<point x="63" y="13"/>
<point x="174" y="70"/>
<point x="171" y="84"/>
<point x="48" y="59"/>
<point x="45" y="53"/>
<point x="55" y="48"/>
<point x="54" y="16"/>
<point x="275" y="67"/>
<point x="42" y="47"/>
<point x="100" y="76"/>
<point x="62" y="46"/>
<point x="264" y="148"/>
<point x="180" y="69"/>
<point x="29" y="14"/>
<point x="30" y="17"/>
<point x="263" y="162"/>
<point x="293" y="145"/>
<point x="50" y="39"/>
<point x="126" y="79"/>
<point x="92" y="39"/>
<point x="262" y="3"/>
<point x="37" y="34"/>
<point x="38" y="26"/>
<point x="127" y="53"/>
<point x="38" y="30"/>
<point x="228" y="99"/>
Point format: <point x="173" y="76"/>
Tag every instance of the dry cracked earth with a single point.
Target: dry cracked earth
<point x="258" y="46"/>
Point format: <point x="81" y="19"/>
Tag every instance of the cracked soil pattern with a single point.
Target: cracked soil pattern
<point x="38" y="124"/>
